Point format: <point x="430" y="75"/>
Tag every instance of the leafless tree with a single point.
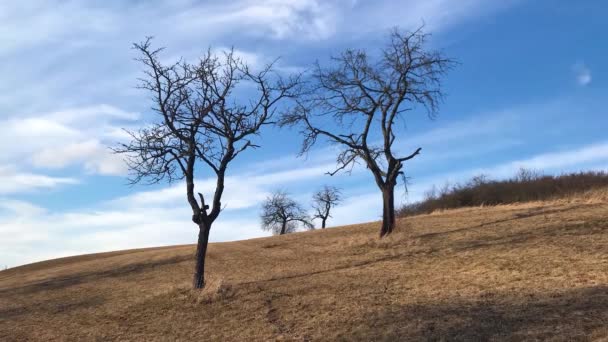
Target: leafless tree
<point x="281" y="214"/>
<point x="527" y="175"/>
<point x="201" y="126"/>
<point x="323" y="201"/>
<point x="358" y="101"/>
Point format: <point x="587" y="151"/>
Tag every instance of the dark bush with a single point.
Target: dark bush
<point x="527" y="185"/>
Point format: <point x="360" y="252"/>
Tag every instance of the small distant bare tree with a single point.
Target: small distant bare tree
<point x="357" y="104"/>
<point x="323" y="201"/>
<point x="281" y="214"/>
<point x="478" y="180"/>
<point x="527" y="175"/>
<point x="202" y="126"/>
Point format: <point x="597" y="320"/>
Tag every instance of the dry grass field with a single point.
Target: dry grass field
<point x="535" y="271"/>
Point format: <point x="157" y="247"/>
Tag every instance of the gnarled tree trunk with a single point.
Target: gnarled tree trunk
<point x="201" y="251"/>
<point x="388" y="210"/>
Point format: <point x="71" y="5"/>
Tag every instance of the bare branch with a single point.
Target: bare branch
<point x="417" y="152"/>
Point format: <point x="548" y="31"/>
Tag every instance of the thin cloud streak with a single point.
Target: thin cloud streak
<point x="15" y="181"/>
<point x="583" y="74"/>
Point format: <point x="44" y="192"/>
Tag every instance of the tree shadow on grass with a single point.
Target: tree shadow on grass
<point x="540" y="234"/>
<point x="516" y="216"/>
<point x="52" y="307"/>
<point x="578" y="314"/>
<point x="63" y="282"/>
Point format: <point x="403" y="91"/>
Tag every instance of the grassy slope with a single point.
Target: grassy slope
<point x="515" y="272"/>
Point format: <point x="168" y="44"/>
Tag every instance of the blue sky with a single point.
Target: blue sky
<point x="529" y="91"/>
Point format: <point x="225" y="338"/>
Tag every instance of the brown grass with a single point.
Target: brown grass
<point x="537" y="271"/>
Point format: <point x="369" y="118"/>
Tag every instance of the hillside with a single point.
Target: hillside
<point x="527" y="271"/>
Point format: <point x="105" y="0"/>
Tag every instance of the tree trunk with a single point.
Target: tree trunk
<point x="201" y="251"/>
<point x="388" y="210"/>
<point x="323" y="223"/>
<point x="283" y="228"/>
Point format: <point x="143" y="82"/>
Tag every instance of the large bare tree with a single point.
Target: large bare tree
<point x="323" y="201"/>
<point x="282" y="215"/>
<point x="358" y="102"/>
<point x="201" y="126"/>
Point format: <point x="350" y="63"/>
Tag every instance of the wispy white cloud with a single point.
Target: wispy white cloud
<point x="308" y="19"/>
<point x="86" y="47"/>
<point x="92" y="154"/>
<point x="582" y="73"/>
<point x="13" y="181"/>
<point x="55" y="140"/>
<point x="20" y="207"/>
<point x="561" y="161"/>
<point x="32" y="24"/>
<point x="437" y="15"/>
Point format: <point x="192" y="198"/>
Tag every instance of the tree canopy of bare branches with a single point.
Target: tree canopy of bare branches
<point x="281" y="214"/>
<point x="323" y="201"/>
<point x="358" y="102"/>
<point x="201" y="126"/>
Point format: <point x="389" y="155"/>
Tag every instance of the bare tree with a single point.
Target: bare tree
<point x="201" y="126"/>
<point x="357" y="104"/>
<point x="527" y="175"/>
<point x="323" y="201"/>
<point x="281" y="214"/>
